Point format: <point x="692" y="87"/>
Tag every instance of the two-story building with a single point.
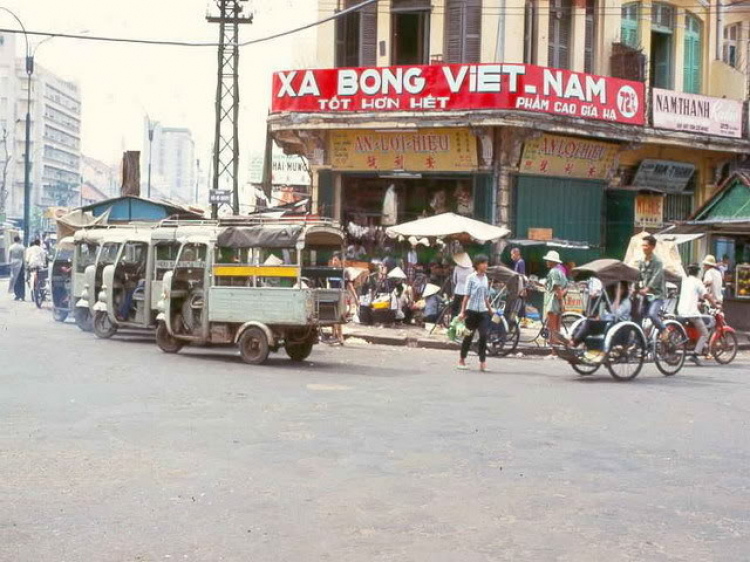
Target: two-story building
<point x="581" y="121"/>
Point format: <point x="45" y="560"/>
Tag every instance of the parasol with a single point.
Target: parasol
<point x="608" y="271"/>
<point x="449" y="226"/>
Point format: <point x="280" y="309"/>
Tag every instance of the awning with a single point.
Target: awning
<point x="669" y="236"/>
<point x="554" y="243"/>
<point x="285" y="236"/>
<point x="449" y="226"/>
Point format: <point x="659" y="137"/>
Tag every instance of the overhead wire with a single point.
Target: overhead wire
<point x="330" y="4"/>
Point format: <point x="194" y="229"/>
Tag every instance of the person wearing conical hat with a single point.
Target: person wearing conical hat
<point x="554" y="294"/>
<point x="713" y="279"/>
<point x="461" y="273"/>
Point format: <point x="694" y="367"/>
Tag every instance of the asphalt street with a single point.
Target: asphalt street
<point x="113" y="451"/>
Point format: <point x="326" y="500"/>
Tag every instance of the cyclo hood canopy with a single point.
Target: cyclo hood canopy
<point x="449" y="226"/>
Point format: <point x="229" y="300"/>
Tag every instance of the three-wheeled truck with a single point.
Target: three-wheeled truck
<point x="258" y="285"/>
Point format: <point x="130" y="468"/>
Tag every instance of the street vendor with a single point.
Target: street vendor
<point x="458" y="280"/>
<point x="554" y="294"/>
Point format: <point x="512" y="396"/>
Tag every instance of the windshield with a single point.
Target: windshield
<point x="86" y="255"/>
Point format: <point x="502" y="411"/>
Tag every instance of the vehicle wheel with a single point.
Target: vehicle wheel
<point x="299" y="351"/>
<point x="724" y="347"/>
<point x="166" y="342"/>
<point x="626" y="356"/>
<point x="59" y="315"/>
<point x="253" y="346"/>
<point x="585" y="369"/>
<point x="502" y="346"/>
<point x="38" y="296"/>
<point x="83" y="319"/>
<point x="566" y="323"/>
<point x="669" y="355"/>
<point x="103" y="326"/>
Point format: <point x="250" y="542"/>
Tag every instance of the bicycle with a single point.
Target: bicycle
<point x="38" y="284"/>
<point x="505" y="332"/>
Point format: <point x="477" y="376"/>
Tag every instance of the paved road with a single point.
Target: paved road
<point x="113" y="451"/>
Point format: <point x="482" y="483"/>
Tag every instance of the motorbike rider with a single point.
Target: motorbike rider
<point x="692" y="292"/>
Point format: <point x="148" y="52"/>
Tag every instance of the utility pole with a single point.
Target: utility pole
<point x="226" y="136"/>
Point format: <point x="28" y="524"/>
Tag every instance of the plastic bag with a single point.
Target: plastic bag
<point x="457" y="330"/>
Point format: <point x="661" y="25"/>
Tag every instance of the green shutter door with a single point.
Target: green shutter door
<point x="572" y="208"/>
<point x="326" y="195"/>
<point x="692" y="55"/>
<point x="620" y="221"/>
<point x="483" y="189"/>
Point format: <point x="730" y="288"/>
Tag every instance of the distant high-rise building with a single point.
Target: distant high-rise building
<point x="173" y="165"/>
<point x="99" y="177"/>
<point x="55" y="150"/>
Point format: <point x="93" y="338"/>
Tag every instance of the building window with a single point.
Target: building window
<point x="693" y="55"/>
<point x="662" y="45"/>
<point x="463" y="31"/>
<point x="410" y="31"/>
<point x="357" y="36"/>
<point x="560" y="20"/>
<point x="591" y="17"/>
<point x="629" y="29"/>
<point x="530" y="32"/>
<point x="731" y="45"/>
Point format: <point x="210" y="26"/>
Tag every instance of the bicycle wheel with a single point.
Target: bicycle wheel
<point x="503" y="345"/>
<point x="724" y="347"/>
<point x="38" y="296"/>
<point x="627" y="353"/>
<point x="567" y="321"/>
<point x="670" y="352"/>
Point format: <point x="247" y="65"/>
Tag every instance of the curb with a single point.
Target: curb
<point x="420" y="343"/>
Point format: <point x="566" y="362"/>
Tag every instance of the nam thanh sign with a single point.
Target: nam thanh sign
<point x="429" y="150"/>
<point x="691" y="113"/>
<point x="552" y="155"/>
<point x="458" y="87"/>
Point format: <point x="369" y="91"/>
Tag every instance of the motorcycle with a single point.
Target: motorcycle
<point x="722" y="340"/>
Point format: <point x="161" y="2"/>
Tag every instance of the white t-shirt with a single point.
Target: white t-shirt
<point x="36" y="257"/>
<point x="691" y="293"/>
<point x="714" y="282"/>
<point x="460" y="275"/>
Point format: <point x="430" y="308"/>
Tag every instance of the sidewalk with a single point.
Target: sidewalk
<point x="414" y="336"/>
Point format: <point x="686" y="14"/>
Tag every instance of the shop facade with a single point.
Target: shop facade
<point x="560" y="157"/>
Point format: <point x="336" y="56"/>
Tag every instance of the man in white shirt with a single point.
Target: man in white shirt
<point x="692" y="292"/>
<point x="713" y="279"/>
<point x="36" y="257"/>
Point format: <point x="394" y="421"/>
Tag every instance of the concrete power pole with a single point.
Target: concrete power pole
<point x="226" y="137"/>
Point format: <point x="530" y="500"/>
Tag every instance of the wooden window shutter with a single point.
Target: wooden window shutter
<point x="559" y="33"/>
<point x="463" y="31"/>
<point x="473" y="31"/>
<point x="368" y="35"/>
<point x="629" y="25"/>
<point x="454" y="25"/>
<point x="340" y="54"/>
<point x="693" y="55"/>
<point x="588" y="60"/>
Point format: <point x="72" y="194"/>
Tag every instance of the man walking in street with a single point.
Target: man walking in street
<point x="692" y="292"/>
<point x="652" y="284"/>
<point x="713" y="279"/>
<point x="476" y="312"/>
<point x="16" y="254"/>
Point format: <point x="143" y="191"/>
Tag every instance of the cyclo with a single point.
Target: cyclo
<point x="622" y="345"/>
<point x="257" y="285"/>
<point x="61" y="279"/>
<point x="132" y="284"/>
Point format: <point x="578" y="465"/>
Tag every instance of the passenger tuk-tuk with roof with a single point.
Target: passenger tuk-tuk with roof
<point x="261" y="286"/>
<point x="61" y="279"/>
<point x="95" y="250"/>
<point x="132" y="285"/>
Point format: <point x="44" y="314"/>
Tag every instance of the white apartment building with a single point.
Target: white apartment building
<point x="173" y="165"/>
<point x="55" y="150"/>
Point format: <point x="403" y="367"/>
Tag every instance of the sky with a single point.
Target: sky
<point x="121" y="83"/>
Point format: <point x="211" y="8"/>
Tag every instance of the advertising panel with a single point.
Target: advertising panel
<point x="553" y="155"/>
<point x="692" y="113"/>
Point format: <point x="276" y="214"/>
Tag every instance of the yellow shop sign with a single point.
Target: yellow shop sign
<point x="552" y="155"/>
<point x="427" y="150"/>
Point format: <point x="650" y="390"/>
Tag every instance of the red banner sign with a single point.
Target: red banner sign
<point x="454" y="87"/>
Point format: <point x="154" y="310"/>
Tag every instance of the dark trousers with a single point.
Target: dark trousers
<point x="476" y="321"/>
<point x="19" y="288"/>
<point x="456" y="305"/>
